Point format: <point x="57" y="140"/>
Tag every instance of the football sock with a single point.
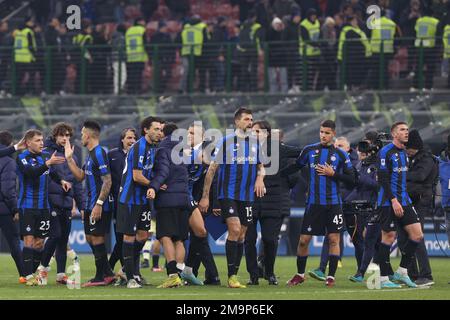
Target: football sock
<point x="270" y="251"/>
<point x="383" y="258"/>
<point x="28" y="260"/>
<point x="231" y="253"/>
<point x="408" y="253"/>
<point x="172" y="267"/>
<point x="301" y="264"/>
<point x="128" y="258"/>
<point x="37" y="257"/>
<point x="333" y="264"/>
<point x="155" y="261"/>
<point x="240" y="252"/>
<point x="99" y="255"/>
<point x="138" y="245"/>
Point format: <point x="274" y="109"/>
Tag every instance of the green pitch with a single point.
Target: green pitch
<point x="285" y="268"/>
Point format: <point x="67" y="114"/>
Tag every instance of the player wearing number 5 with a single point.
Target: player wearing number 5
<point x="328" y="166"/>
<point x="133" y="213"/>
<point x="33" y="170"/>
<point x="97" y="215"/>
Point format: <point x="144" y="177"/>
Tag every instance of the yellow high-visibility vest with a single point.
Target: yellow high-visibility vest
<point x="134" y="42"/>
<point x="22" y="53"/>
<point x="314" y="34"/>
<point x="446" y="41"/>
<point x="426" y="28"/>
<point x="343" y="39"/>
<point x="192" y="38"/>
<point x="385" y="33"/>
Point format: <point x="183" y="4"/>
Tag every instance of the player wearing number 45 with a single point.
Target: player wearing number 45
<point x="33" y="170"/>
<point x="133" y="213"/>
<point x="328" y="166"/>
<point x="97" y="215"/>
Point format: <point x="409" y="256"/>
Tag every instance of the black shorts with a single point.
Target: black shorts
<point x="192" y="206"/>
<point x="173" y="223"/>
<point x="389" y="221"/>
<point x="97" y="228"/>
<point x="34" y="222"/>
<point x="320" y="220"/>
<point x="131" y="218"/>
<point x="235" y="208"/>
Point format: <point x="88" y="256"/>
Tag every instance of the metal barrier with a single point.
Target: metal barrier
<point x="279" y="67"/>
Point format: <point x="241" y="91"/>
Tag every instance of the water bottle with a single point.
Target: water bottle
<point x="374" y="277"/>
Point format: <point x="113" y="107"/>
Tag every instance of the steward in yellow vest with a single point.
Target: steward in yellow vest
<point x="25" y="44"/>
<point x="309" y="35"/>
<point x="136" y="51"/>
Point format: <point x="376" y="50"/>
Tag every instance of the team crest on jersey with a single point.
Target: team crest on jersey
<point x="24" y="161"/>
<point x="231" y="211"/>
<point x="383" y="162"/>
<point x="391" y="225"/>
<point x="309" y="229"/>
<point x="28" y="228"/>
<point x="54" y="214"/>
<point x="333" y="158"/>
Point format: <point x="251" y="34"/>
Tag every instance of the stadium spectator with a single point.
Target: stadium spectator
<point x="25" y="50"/>
<point x="283" y="8"/>
<point x="217" y="53"/>
<point x="193" y="37"/>
<point x="136" y="50"/>
<point x="163" y="60"/>
<point x="6" y="40"/>
<point x="310" y="47"/>
<point x="148" y="8"/>
<point x="428" y="39"/>
<point x="251" y="36"/>
<point x="329" y="49"/>
<point x="101" y="54"/>
<point x="54" y="39"/>
<point x="292" y="50"/>
<point x="119" y="58"/>
<point x="179" y="9"/>
<point x="82" y="57"/>
<point x="277" y="57"/>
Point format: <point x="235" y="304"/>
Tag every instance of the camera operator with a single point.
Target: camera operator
<point x="421" y="180"/>
<point x="444" y="177"/>
<point x="362" y="201"/>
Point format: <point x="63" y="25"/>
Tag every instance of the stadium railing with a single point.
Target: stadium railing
<point x="277" y="67"/>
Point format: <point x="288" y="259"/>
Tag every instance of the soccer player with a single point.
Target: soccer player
<point x="97" y="216"/>
<point x="241" y="175"/>
<point x="62" y="204"/>
<point x="171" y="182"/>
<point x="134" y="214"/>
<point x="117" y="158"/>
<point x="395" y="208"/>
<point x="198" y="245"/>
<point x="328" y="166"/>
<point x="33" y="171"/>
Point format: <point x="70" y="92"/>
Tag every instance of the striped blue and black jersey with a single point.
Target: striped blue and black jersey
<point x="34" y="177"/>
<point x="96" y="166"/>
<point x="140" y="157"/>
<point x="324" y="190"/>
<point x="392" y="169"/>
<point x="196" y="172"/>
<point x="238" y="159"/>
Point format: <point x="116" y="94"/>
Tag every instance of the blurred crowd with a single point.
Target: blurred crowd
<point x="212" y="46"/>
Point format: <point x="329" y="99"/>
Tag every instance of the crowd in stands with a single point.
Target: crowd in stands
<point x="299" y="43"/>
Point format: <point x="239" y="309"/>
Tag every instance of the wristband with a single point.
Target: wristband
<point x="99" y="202"/>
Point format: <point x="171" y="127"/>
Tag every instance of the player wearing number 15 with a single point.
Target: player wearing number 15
<point x="133" y="213"/>
<point x="240" y="176"/>
<point x="327" y="166"/>
<point x="34" y="208"/>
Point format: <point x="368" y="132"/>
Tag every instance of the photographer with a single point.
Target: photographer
<point x="421" y="180"/>
<point x="363" y="200"/>
<point x="444" y="177"/>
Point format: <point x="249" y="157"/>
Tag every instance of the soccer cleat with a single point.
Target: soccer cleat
<point x="109" y="280"/>
<point x="212" y="282"/>
<point x="145" y="264"/>
<point x="389" y="285"/>
<point x="330" y="282"/>
<point x="120" y="282"/>
<point x="397" y="277"/>
<point x="62" y="280"/>
<point x="356" y="278"/>
<point x="157" y="269"/>
<point x="272" y="280"/>
<point x="172" y="281"/>
<point x="190" y="279"/>
<point x="133" y="284"/>
<point x="93" y="283"/>
<point x="32" y="281"/>
<point x="253" y="281"/>
<point x="295" y="280"/>
<point x="234" y="283"/>
<point x="317" y="274"/>
<point x="42" y="277"/>
<point x="22" y="280"/>
<point x="424" y="282"/>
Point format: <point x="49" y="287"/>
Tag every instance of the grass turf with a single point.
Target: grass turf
<point x="285" y="268"/>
